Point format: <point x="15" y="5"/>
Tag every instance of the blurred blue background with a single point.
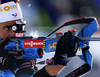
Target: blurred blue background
<point x="43" y="16"/>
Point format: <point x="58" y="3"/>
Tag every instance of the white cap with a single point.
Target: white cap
<point x="10" y="11"/>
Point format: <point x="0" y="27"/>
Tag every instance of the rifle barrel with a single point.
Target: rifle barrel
<point x="89" y="39"/>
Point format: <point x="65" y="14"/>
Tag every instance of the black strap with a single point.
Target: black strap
<point x="42" y="73"/>
<point x="26" y="70"/>
<point x="79" y="71"/>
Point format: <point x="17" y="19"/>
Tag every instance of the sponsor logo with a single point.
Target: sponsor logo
<point x="53" y="45"/>
<point x="33" y="43"/>
<point x="15" y="15"/>
<point x="19" y="34"/>
<point x="8" y="8"/>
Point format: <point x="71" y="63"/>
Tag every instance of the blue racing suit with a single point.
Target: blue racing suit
<point x="23" y="68"/>
<point x="6" y="74"/>
<point x="17" y="69"/>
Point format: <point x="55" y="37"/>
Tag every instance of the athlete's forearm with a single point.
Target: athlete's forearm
<point x="53" y="69"/>
<point x="49" y="71"/>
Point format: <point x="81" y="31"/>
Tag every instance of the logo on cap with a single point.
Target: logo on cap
<point x="14" y="14"/>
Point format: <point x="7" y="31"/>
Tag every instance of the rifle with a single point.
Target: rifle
<point x="34" y="47"/>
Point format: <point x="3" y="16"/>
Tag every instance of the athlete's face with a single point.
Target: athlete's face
<point x="6" y="32"/>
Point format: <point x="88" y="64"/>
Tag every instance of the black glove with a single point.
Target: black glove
<point x="7" y="57"/>
<point x="64" y="49"/>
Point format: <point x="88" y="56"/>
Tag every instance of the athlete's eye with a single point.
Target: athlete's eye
<point x="7" y="28"/>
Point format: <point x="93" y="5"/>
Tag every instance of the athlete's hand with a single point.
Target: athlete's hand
<point x="7" y="57"/>
<point x="64" y="49"/>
